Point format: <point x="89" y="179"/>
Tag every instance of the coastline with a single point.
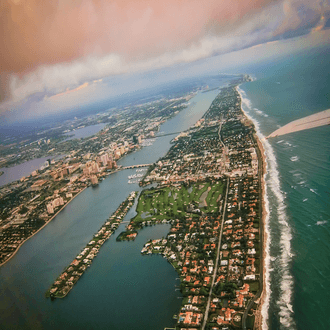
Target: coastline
<point x="42" y="226"/>
<point x="260" y="319"/>
<point x="14" y="253"/>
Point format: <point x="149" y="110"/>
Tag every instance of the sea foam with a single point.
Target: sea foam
<point x="273" y="185"/>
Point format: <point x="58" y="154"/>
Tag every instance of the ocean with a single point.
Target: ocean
<point x="297" y="188"/>
<point x="298" y="225"/>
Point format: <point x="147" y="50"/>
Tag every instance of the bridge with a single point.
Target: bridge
<point x="135" y="166"/>
<point x="166" y="134"/>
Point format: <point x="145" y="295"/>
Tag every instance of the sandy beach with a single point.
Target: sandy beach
<point x="261" y="295"/>
<point x="258" y="316"/>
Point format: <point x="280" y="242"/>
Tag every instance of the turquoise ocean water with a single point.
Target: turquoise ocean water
<point x="298" y="188"/>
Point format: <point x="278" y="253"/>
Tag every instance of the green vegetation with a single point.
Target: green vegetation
<point x="228" y="288"/>
<point x="254" y="286"/>
<point x="169" y="202"/>
<point x="250" y="322"/>
<point x="71" y="274"/>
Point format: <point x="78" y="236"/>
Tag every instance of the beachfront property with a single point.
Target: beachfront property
<point x="209" y="189"/>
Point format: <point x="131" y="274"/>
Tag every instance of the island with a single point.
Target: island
<point x="29" y="204"/>
<point x="210" y="189"/>
<point x="70" y="276"/>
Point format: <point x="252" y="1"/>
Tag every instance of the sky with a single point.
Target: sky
<point x="56" y="52"/>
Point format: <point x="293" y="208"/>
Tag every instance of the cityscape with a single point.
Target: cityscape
<point x="164" y="165"/>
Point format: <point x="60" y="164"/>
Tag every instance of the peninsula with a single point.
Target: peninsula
<point x="210" y="189"/>
<point x="27" y="205"/>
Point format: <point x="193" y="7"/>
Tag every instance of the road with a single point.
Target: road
<point x="206" y="314"/>
<point x="261" y="216"/>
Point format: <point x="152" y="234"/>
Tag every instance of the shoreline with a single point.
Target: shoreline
<point x="259" y="317"/>
<point x="96" y="242"/>
<point x="47" y="222"/>
<point x="261" y="297"/>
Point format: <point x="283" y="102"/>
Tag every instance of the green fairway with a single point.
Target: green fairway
<point x="157" y="204"/>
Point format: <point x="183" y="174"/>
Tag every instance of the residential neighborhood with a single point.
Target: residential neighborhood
<point x="28" y="204"/>
<point x="209" y="190"/>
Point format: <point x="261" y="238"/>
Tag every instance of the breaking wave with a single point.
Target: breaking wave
<point x="276" y="221"/>
<point x="320" y="223"/>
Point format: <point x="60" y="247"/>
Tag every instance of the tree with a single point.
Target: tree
<point x="23" y="210"/>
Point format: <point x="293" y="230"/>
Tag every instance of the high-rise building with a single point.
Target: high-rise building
<point x="94" y="180"/>
<point x="87" y="170"/>
<point x="104" y="159"/>
<point x="96" y="168"/>
<point x="65" y="171"/>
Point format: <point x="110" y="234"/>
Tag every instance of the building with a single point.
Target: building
<point x="50" y="208"/>
<point x="94" y="180"/>
<point x="104" y="159"/>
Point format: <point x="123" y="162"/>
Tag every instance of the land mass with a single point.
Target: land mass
<point x="208" y="187"/>
<point x="210" y="191"/>
<point x="27" y="205"/>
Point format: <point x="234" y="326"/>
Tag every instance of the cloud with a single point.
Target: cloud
<point x="47" y="46"/>
<point x="36" y="32"/>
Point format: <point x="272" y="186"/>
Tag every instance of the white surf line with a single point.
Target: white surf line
<point x="273" y="183"/>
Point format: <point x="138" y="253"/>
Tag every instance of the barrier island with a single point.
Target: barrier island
<point x="209" y="188"/>
<point x="71" y="274"/>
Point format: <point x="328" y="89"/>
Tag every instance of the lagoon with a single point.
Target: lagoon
<point x="85" y="132"/>
<point x="11" y="174"/>
<point x="122" y="289"/>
